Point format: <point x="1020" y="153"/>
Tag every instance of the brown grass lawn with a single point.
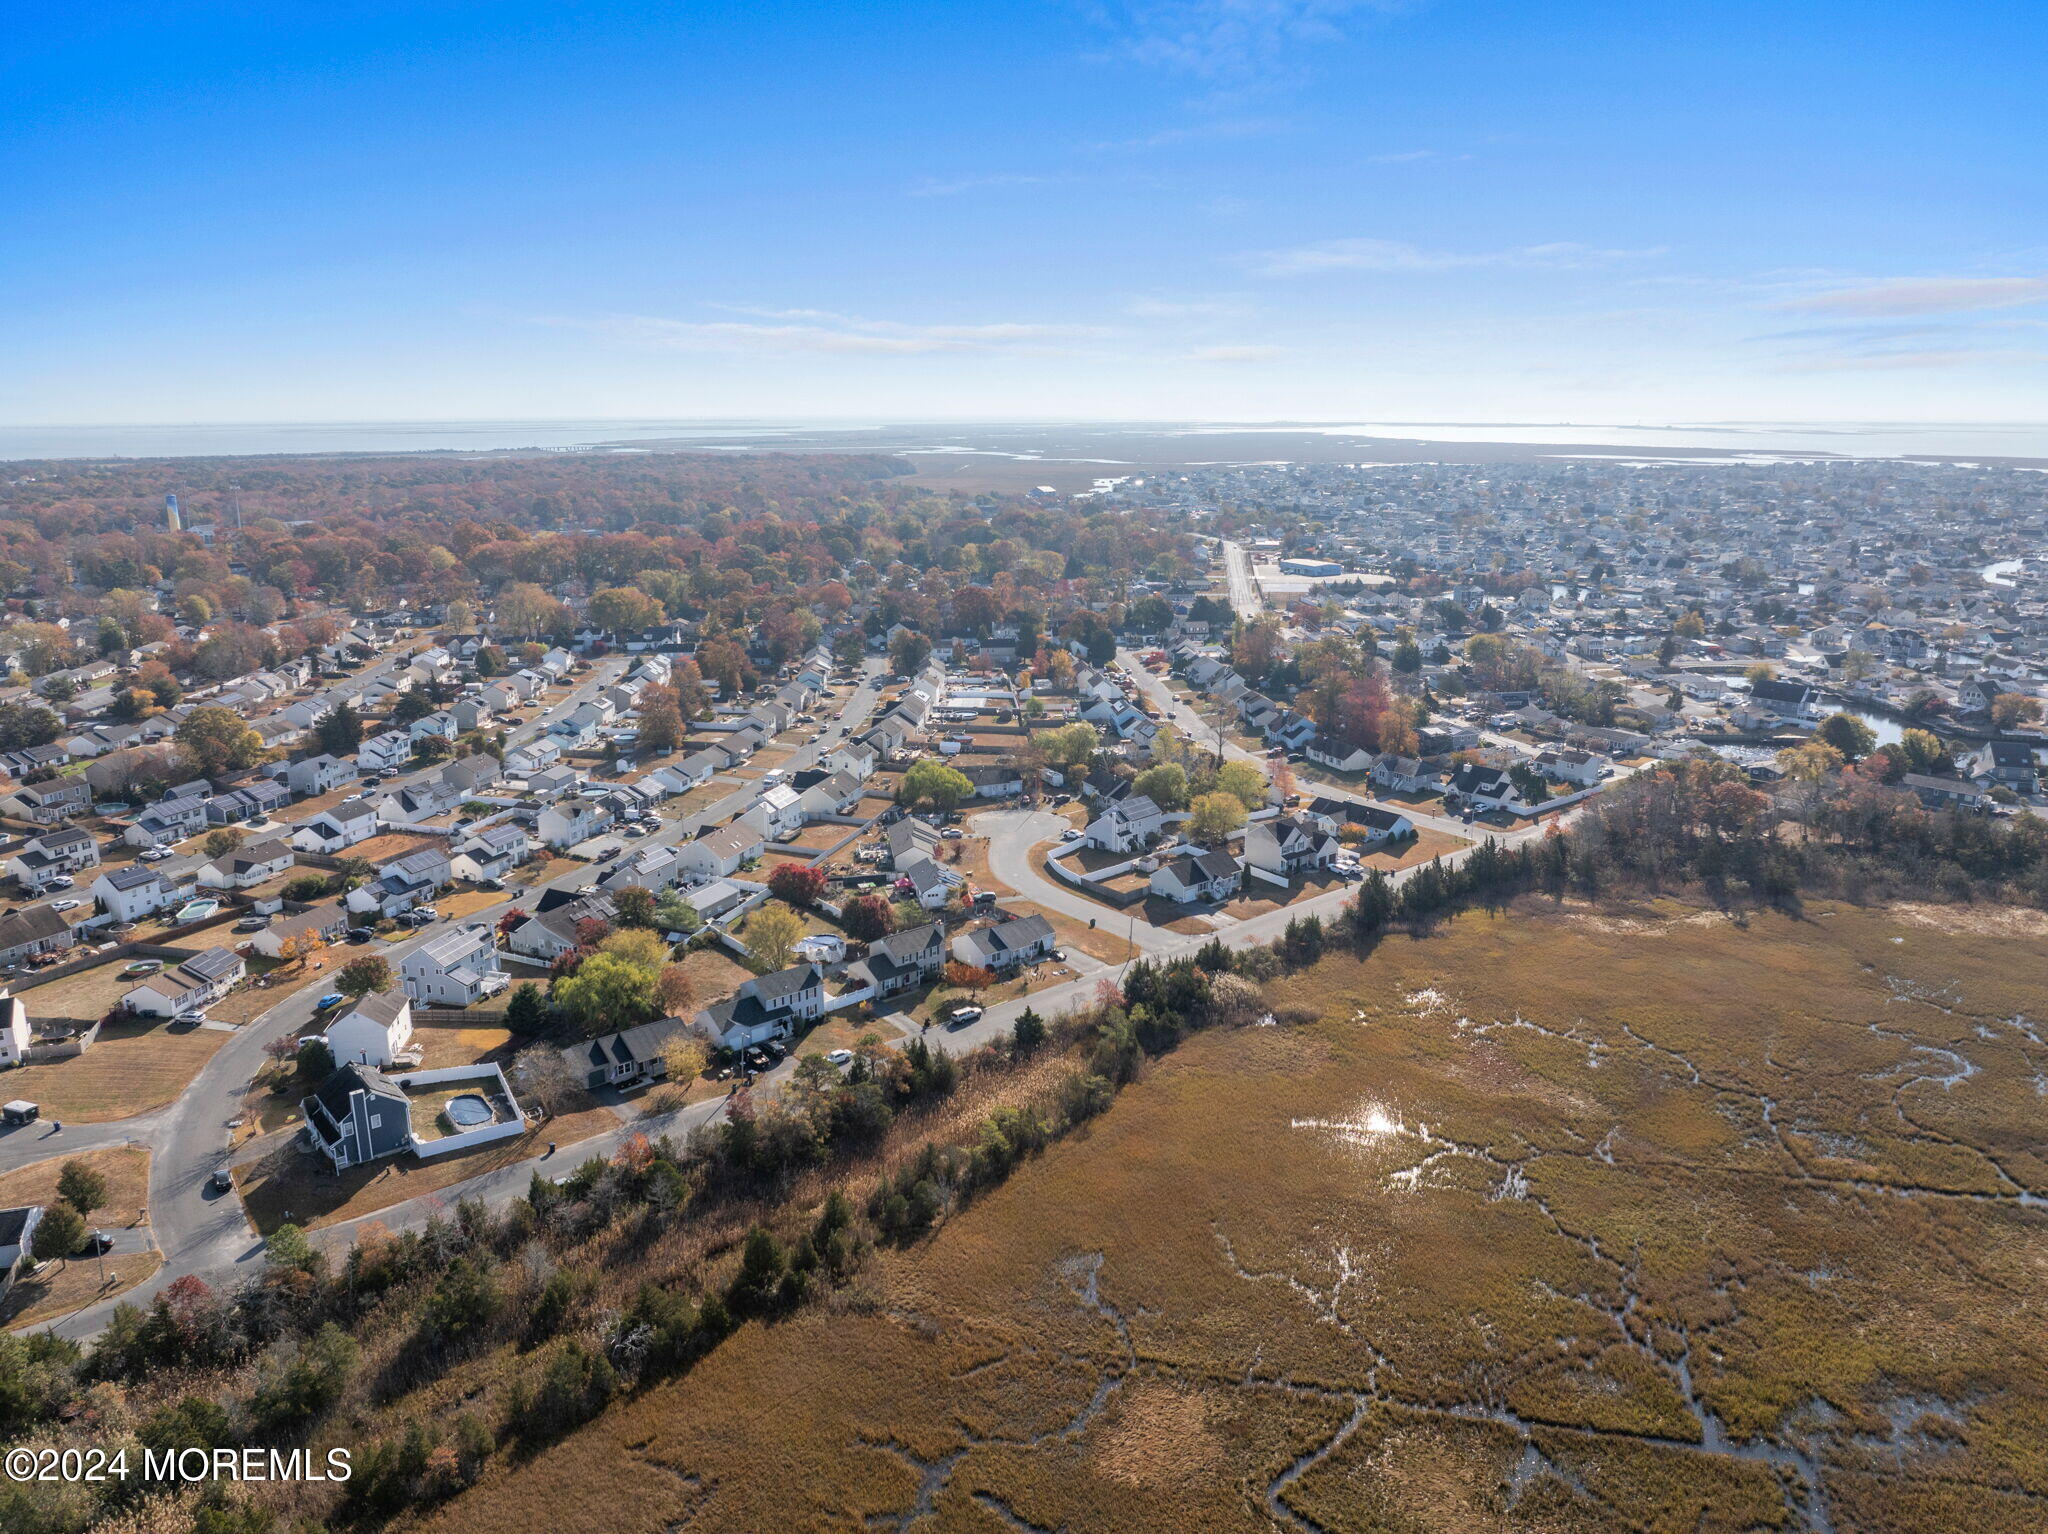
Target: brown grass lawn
<point x="125" y="1167"/>
<point x="842" y="1032"/>
<point x="1427" y="845"/>
<point x="1105" y="941"/>
<point x="700" y="798"/>
<point x="134" y="1067"/>
<point x="89" y="993"/>
<point x="458" y="904"/>
<point x="390" y="844"/>
<point x="541" y="870"/>
<point x="70" y="1284"/>
<point x="282" y="1180"/>
<point x="714" y="974"/>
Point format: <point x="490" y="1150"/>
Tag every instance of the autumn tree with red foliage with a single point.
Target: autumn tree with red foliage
<point x="797" y="884"/>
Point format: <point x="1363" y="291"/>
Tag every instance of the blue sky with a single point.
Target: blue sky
<point x="1420" y="210"/>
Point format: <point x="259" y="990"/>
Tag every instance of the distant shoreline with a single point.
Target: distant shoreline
<point x="943" y="449"/>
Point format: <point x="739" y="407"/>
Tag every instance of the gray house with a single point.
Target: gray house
<point x="358" y="1114"/>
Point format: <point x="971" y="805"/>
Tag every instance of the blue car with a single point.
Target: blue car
<point x="331" y="999"/>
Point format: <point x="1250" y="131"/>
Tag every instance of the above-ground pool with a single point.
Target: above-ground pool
<point x="196" y="910"/>
<point x="468" y="1111"/>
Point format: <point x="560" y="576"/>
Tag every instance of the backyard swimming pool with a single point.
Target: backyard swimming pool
<point x="468" y="1111"/>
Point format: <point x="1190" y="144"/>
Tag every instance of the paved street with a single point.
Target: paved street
<point x="207" y="1234"/>
<point x="203" y="1232"/>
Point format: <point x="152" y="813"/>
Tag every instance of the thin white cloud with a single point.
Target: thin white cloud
<point x="1372" y="255"/>
<point x="933" y="186"/>
<point x="1235" y="353"/>
<point x="795" y="331"/>
<point x="1222" y="130"/>
<point x="1894" y="361"/>
<point x="1401" y="157"/>
<point x="1230" y="40"/>
<point x="1925" y="295"/>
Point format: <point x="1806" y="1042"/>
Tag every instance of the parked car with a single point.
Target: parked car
<point x="63" y="882"/>
<point x="66" y="905"/>
<point x="960" y="1017"/>
<point x="360" y="934"/>
<point x="221" y="1181"/>
<point x="839" y="1057"/>
<point x="154" y="854"/>
<point x="331" y="999"/>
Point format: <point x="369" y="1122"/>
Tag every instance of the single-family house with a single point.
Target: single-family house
<point x="1126" y="825"/>
<point x="490" y="853"/>
<point x="33" y="930"/>
<point x="44" y="804"/>
<point x="376" y="1030"/>
<point x="932" y="883"/>
<point x="319" y="774"/>
<point x="1290" y="844"/>
<point x="766" y="1007"/>
<point x="537" y="754"/>
<point x="570" y="821"/>
<point x="718" y="854"/>
<point x="626" y="1059"/>
<point x="250" y="801"/>
<point x="410" y="879"/>
<point x="168" y="820"/>
<point x="247" y="865"/>
<point x="1008" y="945"/>
<point x="358" y="1115"/>
<point x="54" y="855"/>
<point x="1480" y="788"/>
<point x="777" y="813"/>
<point x="390" y="748"/>
<point x="188" y="987"/>
<point x="1197" y="876"/>
<point x="455" y="968"/>
<point x="549" y="933"/>
<point x="902" y="961"/>
<point x="341" y="825"/>
<point x="133" y="891"/>
<point x="323" y="923"/>
<point x="835" y="794"/>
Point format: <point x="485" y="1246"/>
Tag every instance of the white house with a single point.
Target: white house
<point x="491" y="853"/>
<point x="778" y="812"/>
<point x="536" y="755"/>
<point x="345" y="824"/>
<point x="54" y="855"/>
<point x="132" y="892"/>
<point x="319" y="775"/>
<point x="574" y="820"/>
<point x="1126" y="825"/>
<point x="1197" y="876"/>
<point x="167" y="821"/>
<point x="410" y="879"/>
<point x="15" y="1033"/>
<point x="1290" y="844"/>
<point x="1337" y="756"/>
<point x="375" y="1031"/>
<point x="720" y="853"/>
<point x="189" y="987"/>
<point x="766" y="1007"/>
<point x="247" y="865"/>
<point x="456" y="968"/>
<point x="1006" y="946"/>
<point x="393" y="748"/>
